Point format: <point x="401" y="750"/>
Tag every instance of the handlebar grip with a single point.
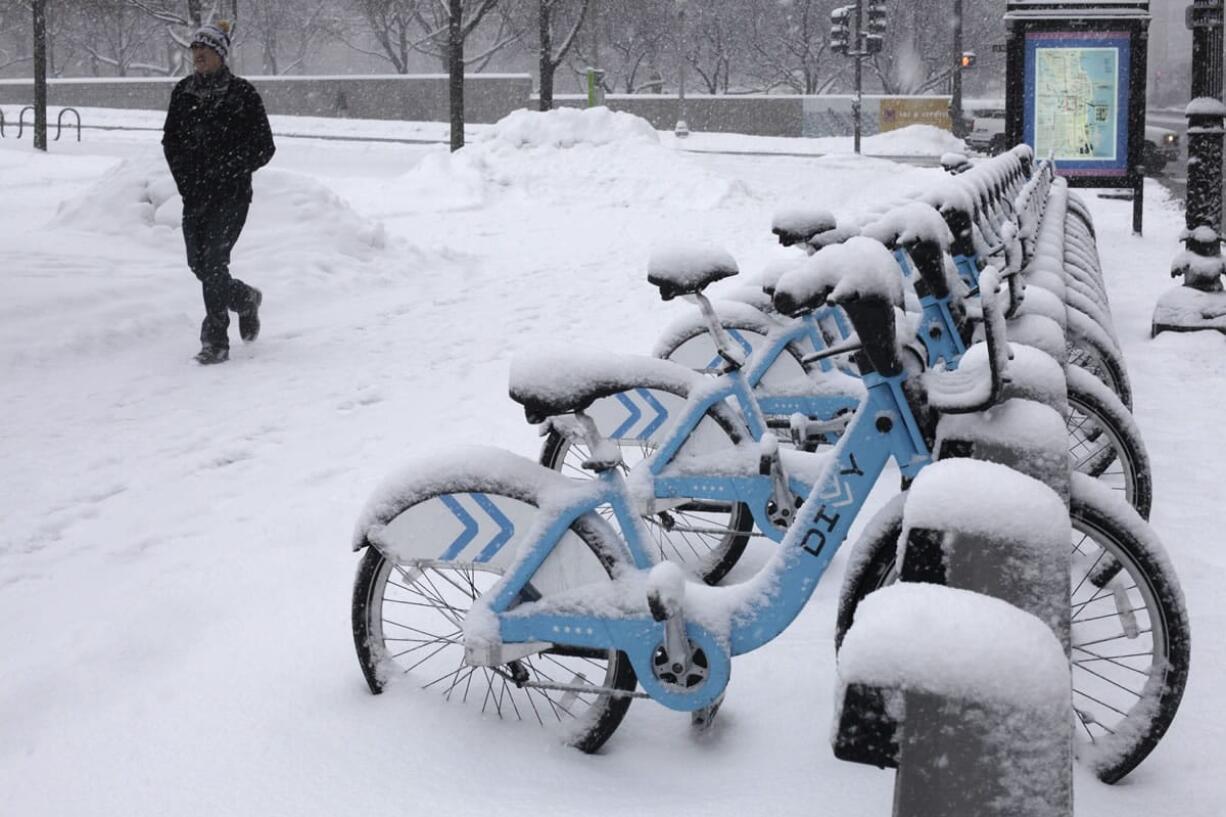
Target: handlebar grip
<point x="929" y="262"/>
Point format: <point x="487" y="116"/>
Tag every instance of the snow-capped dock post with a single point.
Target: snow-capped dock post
<point x="1200" y="302"/>
<point x="964" y="656"/>
<point x="40" y="75"/>
<point x="958" y="675"/>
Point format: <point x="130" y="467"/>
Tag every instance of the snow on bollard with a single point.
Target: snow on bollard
<point x="992" y="676"/>
<point x="969" y="695"/>
<point x="985" y="527"/>
<point x="1025" y="435"/>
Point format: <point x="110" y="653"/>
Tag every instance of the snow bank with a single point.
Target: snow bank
<point x="565" y="156"/>
<point x="914" y="140"/>
<point x="569" y="127"/>
<point x="296" y="223"/>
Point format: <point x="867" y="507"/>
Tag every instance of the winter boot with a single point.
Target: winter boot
<point x="249" y="316"/>
<point x="209" y="355"/>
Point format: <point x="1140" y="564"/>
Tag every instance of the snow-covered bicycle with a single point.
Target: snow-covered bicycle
<point x="493" y="580"/>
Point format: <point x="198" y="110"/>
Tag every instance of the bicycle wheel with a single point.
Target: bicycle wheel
<point x="408" y="619"/>
<point x="705" y="537"/>
<point x="1130" y="635"/>
<point x="1090" y="348"/>
<point x="1104" y="441"/>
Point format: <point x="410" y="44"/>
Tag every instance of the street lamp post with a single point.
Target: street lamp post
<point x="1201" y="303"/>
<point x="682" y="128"/>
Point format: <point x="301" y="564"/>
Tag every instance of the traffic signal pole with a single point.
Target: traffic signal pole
<point x="848" y="26"/>
<point x="955" y="102"/>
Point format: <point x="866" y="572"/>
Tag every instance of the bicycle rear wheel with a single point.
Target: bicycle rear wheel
<point x="1130" y="634"/>
<point x="705" y="537"/>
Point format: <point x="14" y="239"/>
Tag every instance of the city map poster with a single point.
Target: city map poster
<point x="1076" y="100"/>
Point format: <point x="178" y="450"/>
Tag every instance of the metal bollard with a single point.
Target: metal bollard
<point x="980" y="754"/>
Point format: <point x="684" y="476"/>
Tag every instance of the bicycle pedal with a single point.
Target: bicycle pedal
<point x="703" y="719"/>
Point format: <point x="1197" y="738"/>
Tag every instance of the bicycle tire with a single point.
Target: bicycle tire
<point x="1091" y="349"/>
<point x="374" y="612"/>
<point x="1104" y="440"/>
<point x="1122" y="536"/>
<point x="710" y="555"/>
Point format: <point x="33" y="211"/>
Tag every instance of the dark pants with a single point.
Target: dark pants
<point x="210" y="229"/>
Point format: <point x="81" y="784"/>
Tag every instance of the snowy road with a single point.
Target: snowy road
<point x="174" y="569"/>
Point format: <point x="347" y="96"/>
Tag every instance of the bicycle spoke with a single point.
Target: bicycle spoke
<point x="1084" y="694"/>
<point x="1099" y="675"/>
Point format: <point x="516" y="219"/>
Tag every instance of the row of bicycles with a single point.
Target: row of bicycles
<point x="686" y="504"/>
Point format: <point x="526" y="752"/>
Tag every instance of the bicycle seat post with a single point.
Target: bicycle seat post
<point x="732" y="356"/>
<point x="605" y="455"/>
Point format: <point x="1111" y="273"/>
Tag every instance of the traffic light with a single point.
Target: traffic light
<point x="874" y="26"/>
<point x="840" y="29"/>
<point x="968" y="59"/>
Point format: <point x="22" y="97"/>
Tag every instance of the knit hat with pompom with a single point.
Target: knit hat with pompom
<point x="216" y="36"/>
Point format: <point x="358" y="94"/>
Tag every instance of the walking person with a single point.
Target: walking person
<point x="216" y="135"/>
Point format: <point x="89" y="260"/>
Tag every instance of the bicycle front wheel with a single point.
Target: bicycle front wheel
<point x="1130" y="635"/>
<point x="1104" y="441"/>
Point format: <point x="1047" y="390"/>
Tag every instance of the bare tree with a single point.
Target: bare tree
<point x="178" y="20"/>
<point x="789" y="47"/>
<point x="713" y="41"/>
<point x="627" y="38"/>
<point x="918" y="55"/>
<point x="15" y="47"/>
<point x="393" y="24"/>
<point x="287" y="30"/>
<point x="112" y="34"/>
<point x="463" y="17"/>
<point x="547" y="11"/>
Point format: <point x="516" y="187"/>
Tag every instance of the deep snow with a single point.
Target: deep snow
<point x="175" y="566"/>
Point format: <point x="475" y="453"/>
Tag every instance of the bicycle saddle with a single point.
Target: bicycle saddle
<point x="798" y="225"/>
<point x="686" y="270"/>
<point x="547" y="384"/>
<point x="858" y="267"/>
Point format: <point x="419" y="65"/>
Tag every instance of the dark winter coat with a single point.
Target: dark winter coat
<point x="216" y="135"/>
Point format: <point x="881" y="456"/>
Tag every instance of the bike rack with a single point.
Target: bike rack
<point x="59" y="122"/>
<point x="21" y="120"/>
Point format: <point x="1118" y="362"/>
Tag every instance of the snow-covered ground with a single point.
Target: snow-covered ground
<point x="174" y="561"/>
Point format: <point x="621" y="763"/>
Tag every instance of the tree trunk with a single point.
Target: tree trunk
<point x="547" y="66"/>
<point x="194" y="12"/>
<point x="455" y="70"/>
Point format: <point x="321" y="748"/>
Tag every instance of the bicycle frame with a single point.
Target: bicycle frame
<point x="748" y="615"/>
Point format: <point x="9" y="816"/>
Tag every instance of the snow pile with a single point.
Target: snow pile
<point x="570" y="127"/>
<point x="914" y="140"/>
<point x="136" y="199"/>
<point x="296" y="223"/>
<point x="566" y="156"/>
